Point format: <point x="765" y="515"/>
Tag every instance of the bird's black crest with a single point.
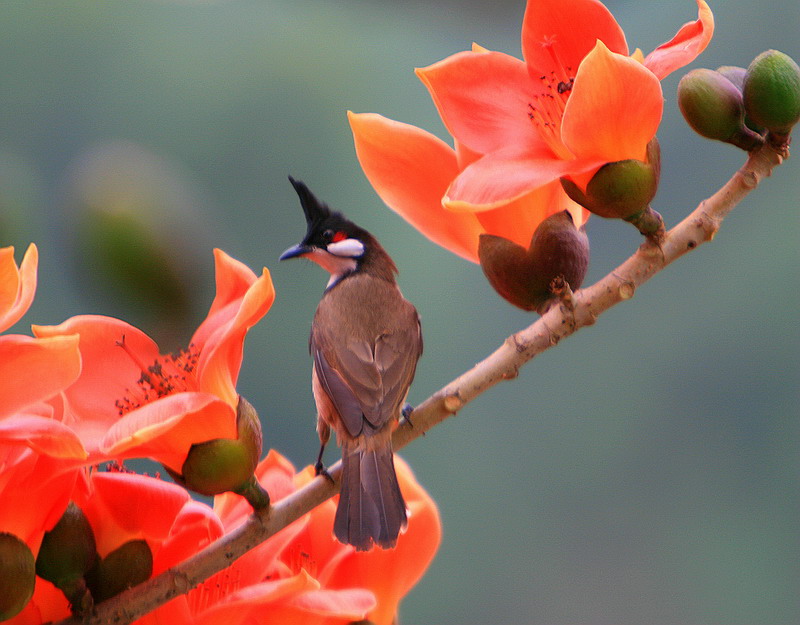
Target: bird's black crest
<point x="314" y="209"/>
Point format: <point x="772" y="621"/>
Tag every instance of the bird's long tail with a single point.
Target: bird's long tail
<point x="371" y="507"/>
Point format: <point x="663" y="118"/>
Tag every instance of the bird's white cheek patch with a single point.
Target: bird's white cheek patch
<point x="346" y="248"/>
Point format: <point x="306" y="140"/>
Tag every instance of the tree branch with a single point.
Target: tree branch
<point x="504" y="364"/>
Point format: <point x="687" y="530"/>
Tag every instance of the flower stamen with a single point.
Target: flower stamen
<point x="173" y="373"/>
<point x="547" y="109"/>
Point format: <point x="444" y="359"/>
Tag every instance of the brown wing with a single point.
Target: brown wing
<point x="367" y="374"/>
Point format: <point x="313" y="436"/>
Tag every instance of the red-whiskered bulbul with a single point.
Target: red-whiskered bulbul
<point x="365" y="342"/>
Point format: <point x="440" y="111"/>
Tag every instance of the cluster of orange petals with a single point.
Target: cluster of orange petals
<point x="34" y="489"/>
<point x="32" y="369"/>
<point x="302" y="574"/>
<point x="188" y="399"/>
<point x="577" y="101"/>
<point x="58" y="392"/>
<point x="95" y="388"/>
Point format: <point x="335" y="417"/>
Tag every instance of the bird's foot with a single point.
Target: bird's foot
<point x="408" y="409"/>
<point x="319" y="469"/>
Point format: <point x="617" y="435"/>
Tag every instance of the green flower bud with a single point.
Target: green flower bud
<point x="623" y="190"/>
<point x="222" y="465"/>
<point x="772" y="94"/>
<point x="523" y="277"/>
<point x="128" y="565"/>
<point x="736" y="75"/>
<point x="17" y="575"/>
<point x="713" y="106"/>
<point x="67" y="553"/>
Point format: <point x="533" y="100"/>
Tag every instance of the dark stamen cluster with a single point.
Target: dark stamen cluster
<point x="169" y="374"/>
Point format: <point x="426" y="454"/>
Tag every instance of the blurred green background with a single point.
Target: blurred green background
<point x="646" y="471"/>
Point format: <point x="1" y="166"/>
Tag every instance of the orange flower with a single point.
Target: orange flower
<point x="388" y="573"/>
<point x="34" y="490"/>
<point x="311" y="549"/>
<point x="123" y="507"/>
<point x="576" y="102"/>
<point x="17" y="285"/>
<point x="130" y="401"/>
<point x="295" y="600"/>
<point x="259" y="587"/>
<point x="32" y="370"/>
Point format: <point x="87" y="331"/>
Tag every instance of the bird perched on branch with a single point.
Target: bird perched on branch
<point x="365" y="343"/>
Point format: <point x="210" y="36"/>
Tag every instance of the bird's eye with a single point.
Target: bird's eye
<point x="327" y="236"/>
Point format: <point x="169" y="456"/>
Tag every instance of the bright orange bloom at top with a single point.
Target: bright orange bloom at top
<point x="576" y="102"/>
<point x="131" y="401"/>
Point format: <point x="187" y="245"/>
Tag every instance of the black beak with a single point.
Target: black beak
<point x="295" y="251"/>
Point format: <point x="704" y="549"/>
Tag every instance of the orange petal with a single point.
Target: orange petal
<point x="35" y="490"/>
<point x="233" y="278"/>
<point x="410" y="169"/>
<point x="464" y="156"/>
<point x="221" y="336"/>
<point x="556" y="35"/>
<point x="500" y="178"/>
<point x="166" y="428"/>
<point x="125" y="506"/>
<point x="47" y="436"/>
<point x="108" y="372"/>
<point x="685" y="46"/>
<point x="32" y="370"/>
<point x="352" y="603"/>
<point x="17" y="285"/>
<point x="195" y="527"/>
<point x="295" y="600"/>
<point x="518" y="220"/>
<point x="483" y="99"/>
<point x="614" y="109"/>
<point x="47" y="605"/>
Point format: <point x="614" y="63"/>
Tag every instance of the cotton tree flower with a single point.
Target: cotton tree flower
<point x="576" y="102"/>
<point x="132" y="401"/>
<point x="31" y="369"/>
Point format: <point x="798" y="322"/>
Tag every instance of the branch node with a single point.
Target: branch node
<point x="749" y="178"/>
<point x="517" y="343"/>
<point x="653" y="247"/>
<point x="453" y="403"/>
<point x="708" y="224"/>
<point x="626" y="288"/>
<point x="553" y="338"/>
<point x="180" y="582"/>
